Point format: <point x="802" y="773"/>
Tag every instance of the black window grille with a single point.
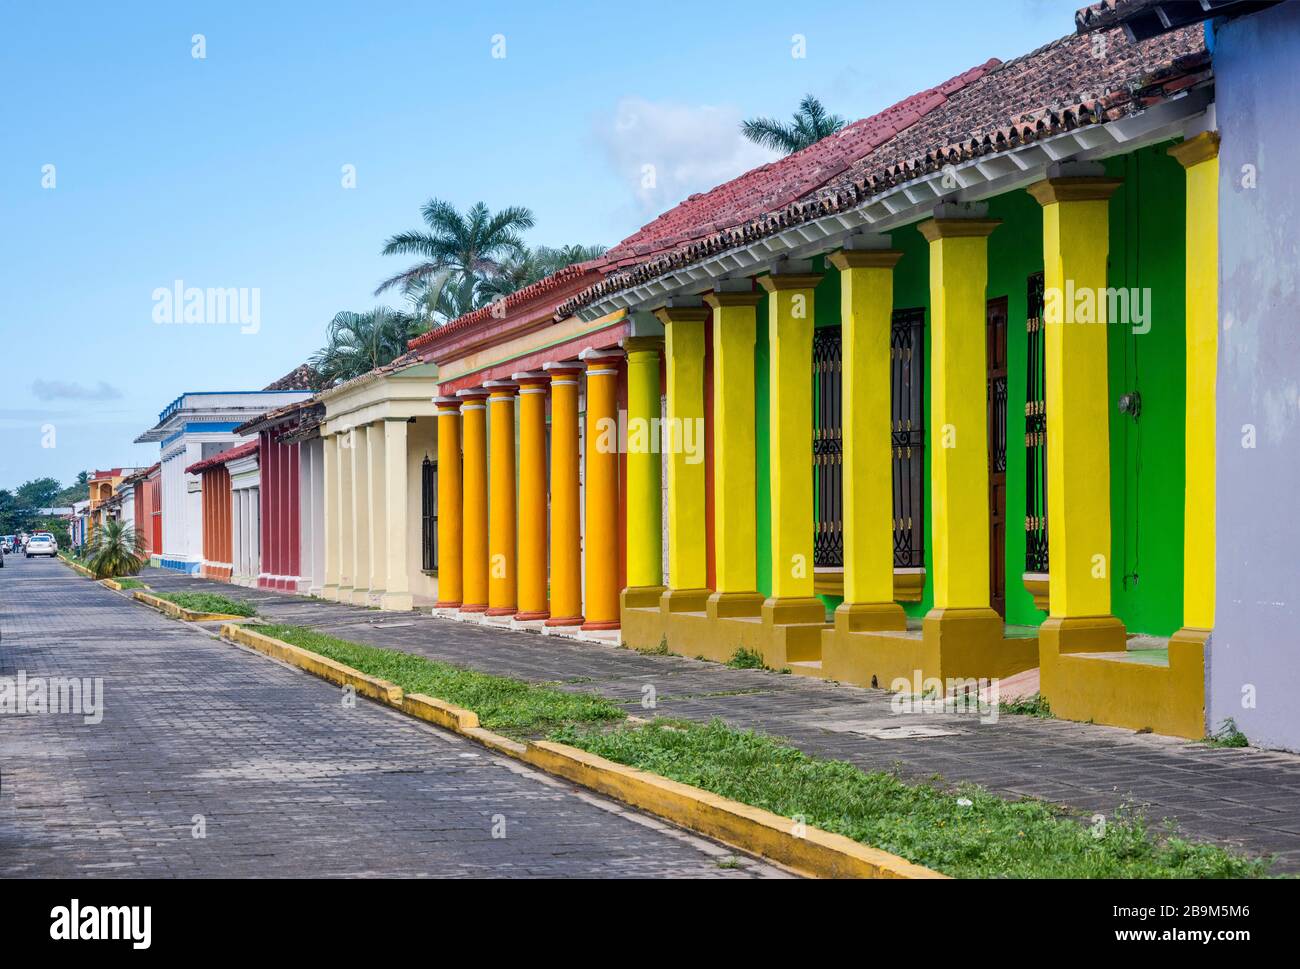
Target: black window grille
<point x="828" y="452"/>
<point x="907" y="441"/>
<point x="429" y="515"/>
<point x="907" y="435"/>
<point x="1036" y="558"/>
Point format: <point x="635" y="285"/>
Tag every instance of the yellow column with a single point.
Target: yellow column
<point x="1200" y="157"/>
<point x="347" y="555"/>
<point x="866" y="309"/>
<point x="450" y="588"/>
<point x="474" y="543"/>
<point x="959" y="416"/>
<point x="684" y="359"/>
<point x="330" y="502"/>
<point x="566" y="516"/>
<point x="790" y="382"/>
<point x="397" y="580"/>
<point x="601" y="567"/>
<point x="502" y="591"/>
<point x="1075" y="245"/>
<point x="532" y="496"/>
<point x="645" y="566"/>
<point x="735" y="538"/>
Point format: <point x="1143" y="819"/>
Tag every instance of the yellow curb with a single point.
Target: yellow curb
<point x="77" y="568"/>
<point x="809" y="851"/>
<point x="176" y="612"/>
<point x="328" y="669"/>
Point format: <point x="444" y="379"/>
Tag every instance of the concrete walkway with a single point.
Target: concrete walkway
<point x="1242" y="797"/>
<point x="279" y="777"/>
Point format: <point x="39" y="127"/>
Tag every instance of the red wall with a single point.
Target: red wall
<point x="216" y="523"/>
<point x="279" y="513"/>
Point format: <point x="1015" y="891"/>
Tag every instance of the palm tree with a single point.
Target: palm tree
<point x="116" y="549"/>
<point x="810" y="125"/>
<point x="360" y="342"/>
<point x="472" y="245"/>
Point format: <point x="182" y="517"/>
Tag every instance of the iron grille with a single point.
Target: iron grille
<point x="907" y="435"/>
<point x="1036" y="557"/>
<point x="429" y="515"/>
<point x="828" y="451"/>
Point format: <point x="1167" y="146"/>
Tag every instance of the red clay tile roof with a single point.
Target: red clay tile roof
<point x="530" y="295"/>
<point x="226" y="456"/>
<point x="775" y="185"/>
<point x="1058" y="87"/>
<point x="302" y="377"/>
<point x="278" y="415"/>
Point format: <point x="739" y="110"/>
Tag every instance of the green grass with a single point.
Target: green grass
<point x="131" y="583"/>
<point x="1228" y="735"/>
<point x="746" y="659"/>
<point x="503" y="704"/>
<point x="1035" y="705"/>
<point x="927" y="824"/>
<point x="208" y="602"/>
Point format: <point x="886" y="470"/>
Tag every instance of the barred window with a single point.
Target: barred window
<point x="1036" y="558"/>
<point x="429" y="514"/>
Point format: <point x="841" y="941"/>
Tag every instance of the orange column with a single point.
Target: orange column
<point x="532" y="495"/>
<point x="449" y="505"/>
<point x="474" y="536"/>
<point x="566" y="519"/>
<point x="601" y="489"/>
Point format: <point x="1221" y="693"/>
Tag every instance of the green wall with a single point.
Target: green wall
<point x="1146" y="250"/>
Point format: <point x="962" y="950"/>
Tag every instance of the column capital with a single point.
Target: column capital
<point x="471" y="394"/>
<point x="1193" y="151"/>
<point x="501" y="389"/>
<point x="643" y="344"/>
<point x="720" y="299"/>
<point x="599" y="362"/>
<point x="531" y="378"/>
<point x="682" y="314"/>
<point x="865" y="259"/>
<point x="447" y="405"/>
<point x="561" y="368"/>
<point x="784" y="281"/>
<point x="935" y="229"/>
<point x="1074" y="188"/>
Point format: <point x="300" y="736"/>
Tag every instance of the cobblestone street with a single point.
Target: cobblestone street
<point x="1244" y="797"/>
<point x="280" y="777"/>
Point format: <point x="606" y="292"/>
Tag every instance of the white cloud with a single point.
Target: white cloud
<point x="70" y="390"/>
<point x="665" y="151"/>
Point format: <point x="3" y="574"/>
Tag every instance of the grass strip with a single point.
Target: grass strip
<point x="503" y="704"/>
<point x="208" y="602"/>
<point x="967" y="833"/>
<point x="133" y="584"/>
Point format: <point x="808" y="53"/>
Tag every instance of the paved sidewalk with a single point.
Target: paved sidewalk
<point x="288" y="781"/>
<point x="1243" y="797"/>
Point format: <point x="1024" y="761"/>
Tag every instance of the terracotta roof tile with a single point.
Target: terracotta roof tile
<point x="302" y="377"/>
<point x="1058" y="87"/>
<point x="226" y="456"/>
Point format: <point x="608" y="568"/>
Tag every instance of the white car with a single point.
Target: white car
<point x="42" y="545"/>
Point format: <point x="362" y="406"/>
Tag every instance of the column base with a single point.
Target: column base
<point x="1083" y="634"/>
<point x="497" y="611"/>
<point x="588" y="627"/>
<point x="735" y="605"/>
<point x="685" y="600"/>
<point x="1191" y="635"/>
<point x="641" y="596"/>
<point x="474" y="607"/>
<point x="397" y="601"/>
<point x="565" y="621"/>
<point x="327" y="592"/>
<point x="532" y="616"/>
<point x="441" y="604"/>
<point x="793" y="610"/>
<point x="859" y="617"/>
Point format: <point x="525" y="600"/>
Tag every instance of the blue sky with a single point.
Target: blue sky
<point x="227" y="170"/>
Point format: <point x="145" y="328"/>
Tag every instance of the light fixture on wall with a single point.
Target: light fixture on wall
<point x="1131" y="404"/>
